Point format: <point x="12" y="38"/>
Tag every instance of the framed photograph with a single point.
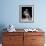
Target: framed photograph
<point x="26" y="13"/>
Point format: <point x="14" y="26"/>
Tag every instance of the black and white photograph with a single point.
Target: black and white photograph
<point x="26" y="13"/>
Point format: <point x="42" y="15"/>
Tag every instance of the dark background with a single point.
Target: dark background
<point x="29" y="9"/>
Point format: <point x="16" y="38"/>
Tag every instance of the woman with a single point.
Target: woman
<point x="26" y="14"/>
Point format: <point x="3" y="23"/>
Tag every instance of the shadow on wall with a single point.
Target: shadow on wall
<point x="2" y="26"/>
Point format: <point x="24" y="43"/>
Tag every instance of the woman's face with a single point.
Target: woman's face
<point x="26" y="13"/>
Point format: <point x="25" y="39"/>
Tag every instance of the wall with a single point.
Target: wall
<point x="9" y="13"/>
